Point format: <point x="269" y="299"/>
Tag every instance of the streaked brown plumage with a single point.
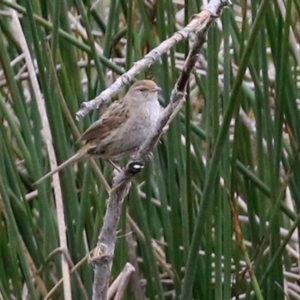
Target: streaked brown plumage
<point x="123" y="128"/>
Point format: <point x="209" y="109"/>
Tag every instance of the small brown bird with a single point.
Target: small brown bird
<point x="123" y="128"/>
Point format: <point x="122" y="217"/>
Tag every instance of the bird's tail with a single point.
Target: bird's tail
<point x="77" y="156"/>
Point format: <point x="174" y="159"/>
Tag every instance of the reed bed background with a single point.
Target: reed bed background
<point x="233" y="237"/>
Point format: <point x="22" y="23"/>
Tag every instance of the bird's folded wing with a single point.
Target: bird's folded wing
<point x="113" y="118"/>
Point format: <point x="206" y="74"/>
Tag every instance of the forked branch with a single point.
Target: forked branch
<point x="103" y="254"/>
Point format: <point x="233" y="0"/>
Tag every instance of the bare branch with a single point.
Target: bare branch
<point x="196" y="25"/>
<point x="103" y="254"/>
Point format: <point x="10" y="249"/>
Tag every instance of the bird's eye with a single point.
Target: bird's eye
<point x="143" y="90"/>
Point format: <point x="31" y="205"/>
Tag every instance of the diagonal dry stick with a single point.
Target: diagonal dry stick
<point x="213" y="8"/>
<point x="102" y="255"/>
<point x="46" y="133"/>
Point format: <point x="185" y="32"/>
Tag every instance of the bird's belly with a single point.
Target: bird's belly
<point x="133" y="137"/>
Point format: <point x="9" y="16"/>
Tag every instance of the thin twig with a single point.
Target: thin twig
<point x="137" y="289"/>
<point x="120" y="284"/>
<point x="73" y="270"/>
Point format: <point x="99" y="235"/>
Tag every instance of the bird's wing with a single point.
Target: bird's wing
<point x="114" y="117"/>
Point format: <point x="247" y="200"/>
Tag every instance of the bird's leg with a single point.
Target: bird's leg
<point x="116" y="167"/>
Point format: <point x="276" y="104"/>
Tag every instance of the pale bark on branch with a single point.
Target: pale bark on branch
<point x="196" y="25"/>
<point x="104" y="252"/>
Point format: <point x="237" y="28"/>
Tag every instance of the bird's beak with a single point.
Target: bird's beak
<point x="156" y="89"/>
